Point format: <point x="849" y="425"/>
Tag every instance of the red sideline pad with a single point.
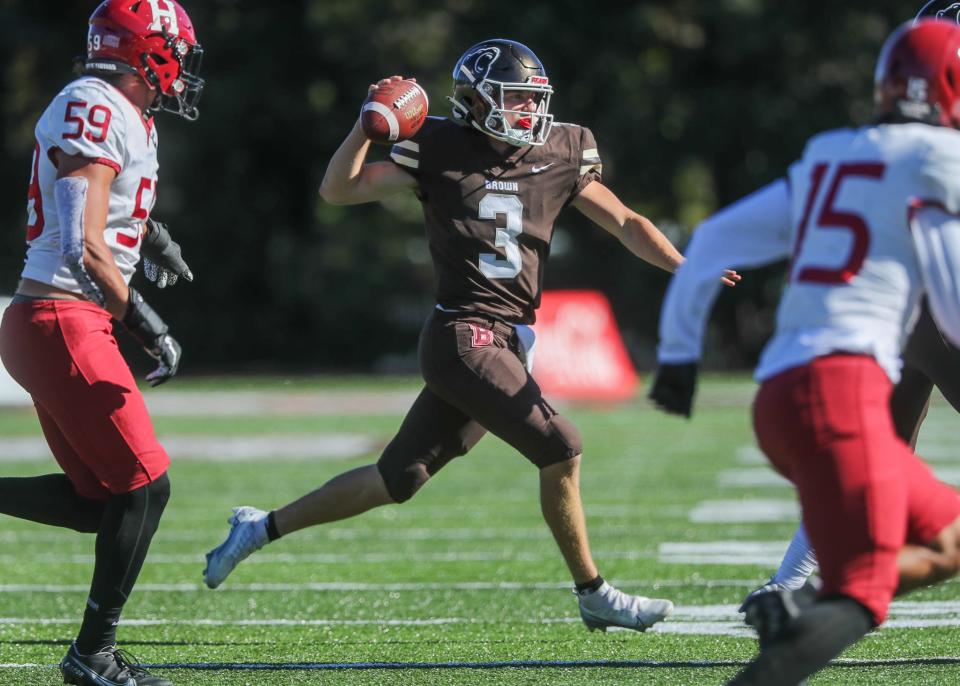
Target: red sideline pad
<point x="579" y="351"/>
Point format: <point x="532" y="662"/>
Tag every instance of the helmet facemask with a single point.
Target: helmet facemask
<point x="516" y="127"/>
<point x="183" y="93"/>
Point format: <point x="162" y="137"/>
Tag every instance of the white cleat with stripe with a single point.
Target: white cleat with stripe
<point x="608" y="607"/>
<point x="248" y="533"/>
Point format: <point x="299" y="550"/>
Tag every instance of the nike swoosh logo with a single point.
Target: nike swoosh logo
<point x="536" y="170"/>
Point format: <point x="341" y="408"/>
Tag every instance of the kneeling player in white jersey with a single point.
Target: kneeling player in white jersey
<point x="92" y="187"/>
<point x="870" y="217"/>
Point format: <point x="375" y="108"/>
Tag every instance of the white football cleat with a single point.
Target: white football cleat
<point x="608" y="607"/>
<point x="248" y="533"/>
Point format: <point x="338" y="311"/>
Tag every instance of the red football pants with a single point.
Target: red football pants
<point x="826" y="426"/>
<point x="91" y="411"/>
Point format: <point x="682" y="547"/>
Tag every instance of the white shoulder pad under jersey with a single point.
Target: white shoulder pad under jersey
<point x="750" y="233"/>
<point x="855" y="282"/>
<point x="92" y="119"/>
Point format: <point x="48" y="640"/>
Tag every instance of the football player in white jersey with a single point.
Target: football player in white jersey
<point x="928" y="361"/>
<point x="870" y="220"/>
<point x="92" y="186"/>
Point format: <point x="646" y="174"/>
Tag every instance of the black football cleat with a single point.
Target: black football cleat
<point x="769" y="614"/>
<point x="109" y="667"/>
<point x="769" y="587"/>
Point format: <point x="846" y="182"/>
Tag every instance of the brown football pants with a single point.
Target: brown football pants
<point x="476" y="382"/>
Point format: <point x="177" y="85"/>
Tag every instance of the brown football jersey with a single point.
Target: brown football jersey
<point x="489" y="216"/>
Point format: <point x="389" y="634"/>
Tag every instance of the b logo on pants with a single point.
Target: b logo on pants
<point x="481" y="336"/>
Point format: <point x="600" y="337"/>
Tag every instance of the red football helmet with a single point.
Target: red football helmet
<point x="152" y="38"/>
<point x="918" y="74"/>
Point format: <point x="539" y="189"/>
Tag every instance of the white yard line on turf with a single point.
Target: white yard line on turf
<point x="342" y="534"/>
<point x="345" y="586"/>
<point x="750" y="454"/>
<point x="931" y="612"/>
<point x="758" y="477"/>
<point x="941" y="447"/>
<point x="721" y="620"/>
<point x="764" y="553"/>
<point x="939" y="453"/>
<point x="948" y="475"/>
<point x="275" y="446"/>
<point x="333" y="558"/>
<point x="936" y="428"/>
<point x="766" y="477"/>
<point x="745" y="510"/>
<point x="504" y="664"/>
<point x="279" y="403"/>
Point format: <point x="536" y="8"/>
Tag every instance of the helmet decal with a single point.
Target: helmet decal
<point x="163" y="10"/>
<point x="481" y="61"/>
<point x="915" y="103"/>
<point x="952" y="12"/>
<point x="917" y="88"/>
<point x="949" y="13"/>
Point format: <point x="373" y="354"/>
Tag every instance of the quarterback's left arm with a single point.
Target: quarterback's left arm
<point x="936" y="239"/>
<point x="635" y="231"/>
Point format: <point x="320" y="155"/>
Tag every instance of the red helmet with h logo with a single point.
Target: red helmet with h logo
<point x="152" y="38"/>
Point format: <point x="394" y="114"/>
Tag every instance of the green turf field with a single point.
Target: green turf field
<point x="462" y="585"/>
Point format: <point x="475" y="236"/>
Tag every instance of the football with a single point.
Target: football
<point x="394" y="112"/>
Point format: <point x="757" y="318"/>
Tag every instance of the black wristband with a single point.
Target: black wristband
<point x="142" y="321"/>
<point x="156" y="241"/>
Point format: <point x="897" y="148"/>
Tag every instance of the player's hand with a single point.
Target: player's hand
<point x="145" y="325"/>
<point x="167" y="352"/>
<point x="384" y="82"/>
<point x="673" y="388"/>
<point x="161" y="276"/>
<point x="374" y="86"/>
<point x="730" y="277"/>
<point x="162" y="262"/>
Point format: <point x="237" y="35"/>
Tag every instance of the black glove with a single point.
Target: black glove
<point x="162" y="262"/>
<point x="145" y="325"/>
<point x="673" y="388"/>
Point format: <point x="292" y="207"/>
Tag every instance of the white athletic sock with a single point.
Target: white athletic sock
<point x="798" y="563"/>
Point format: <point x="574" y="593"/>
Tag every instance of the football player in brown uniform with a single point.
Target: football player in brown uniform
<point x="492" y="181"/>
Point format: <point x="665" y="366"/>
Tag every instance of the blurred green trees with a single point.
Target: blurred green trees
<point x="693" y="102"/>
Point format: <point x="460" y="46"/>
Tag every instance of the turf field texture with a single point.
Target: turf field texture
<point x="463" y="584"/>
